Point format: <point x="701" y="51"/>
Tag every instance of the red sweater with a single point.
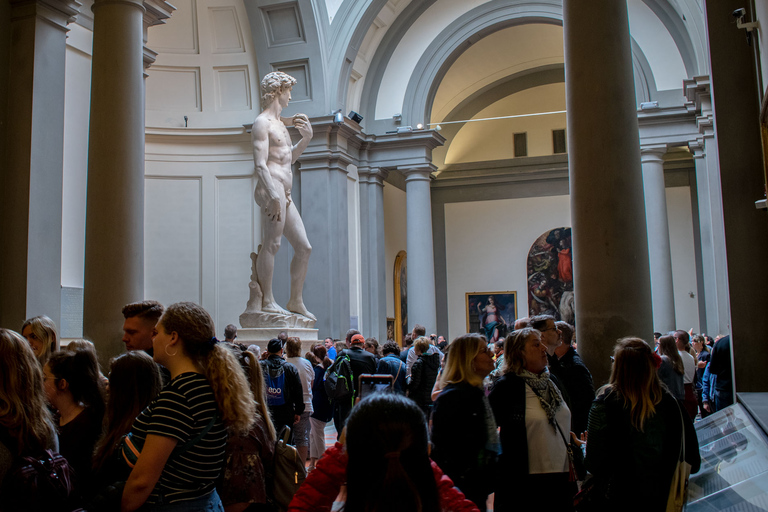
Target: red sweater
<point x="323" y="484"/>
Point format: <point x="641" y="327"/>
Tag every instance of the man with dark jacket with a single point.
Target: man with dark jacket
<point x="392" y="365"/>
<point x="566" y="364"/>
<point x="423" y="375"/>
<point x="285" y="397"/>
<point x="361" y="362"/>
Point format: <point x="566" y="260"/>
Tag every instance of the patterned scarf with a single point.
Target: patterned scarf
<point x="546" y="390"/>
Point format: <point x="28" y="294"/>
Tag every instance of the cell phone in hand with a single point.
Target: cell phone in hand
<point x="369" y="383"/>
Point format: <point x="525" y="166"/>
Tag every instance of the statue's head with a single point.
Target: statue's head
<point x="273" y="84"/>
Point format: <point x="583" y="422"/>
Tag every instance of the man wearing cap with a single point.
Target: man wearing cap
<point x="285" y="397"/>
<point x="361" y="362"/>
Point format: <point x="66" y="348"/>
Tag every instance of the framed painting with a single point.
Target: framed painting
<point x="401" y="297"/>
<point x="390" y="329"/>
<point x="491" y="314"/>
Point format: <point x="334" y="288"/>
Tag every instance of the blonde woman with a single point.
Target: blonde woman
<point x="41" y="333"/>
<point x="183" y="431"/>
<point x="535" y="425"/>
<point x="635" y="432"/>
<point x="466" y="444"/>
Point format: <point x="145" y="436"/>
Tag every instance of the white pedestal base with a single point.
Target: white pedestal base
<point x="261" y="335"/>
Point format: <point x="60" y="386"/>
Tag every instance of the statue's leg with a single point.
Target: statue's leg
<point x="272" y="233"/>
<point x="297" y="236"/>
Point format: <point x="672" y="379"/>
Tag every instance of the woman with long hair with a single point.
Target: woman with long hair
<point x="134" y="381"/>
<point x="535" y="425"/>
<point x="462" y="412"/>
<point x="635" y="432"/>
<point x="40" y="332"/>
<point x="26" y="425"/>
<point x="73" y="387"/>
<point x="183" y="432"/>
<point x="244" y="483"/>
<point x="384" y="463"/>
<point x="671" y="370"/>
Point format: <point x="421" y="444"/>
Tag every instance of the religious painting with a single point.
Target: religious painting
<point x="492" y="314"/>
<point x="401" y="297"/>
<point x="390" y="329"/>
<point x="550" y="276"/>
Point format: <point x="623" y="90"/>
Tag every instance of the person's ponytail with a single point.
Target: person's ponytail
<point x="232" y="392"/>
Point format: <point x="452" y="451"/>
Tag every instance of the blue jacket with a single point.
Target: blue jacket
<point x="392" y="365"/>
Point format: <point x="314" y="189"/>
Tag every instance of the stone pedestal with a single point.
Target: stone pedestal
<point x="261" y="335"/>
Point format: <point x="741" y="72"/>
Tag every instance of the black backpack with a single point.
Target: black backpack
<point x="44" y="482"/>
<point x="338" y="379"/>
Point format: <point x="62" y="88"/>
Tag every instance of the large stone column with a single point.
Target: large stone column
<point x="373" y="272"/>
<point x="324" y="209"/>
<point x="114" y="234"/>
<point x="736" y="99"/>
<point x="31" y="171"/>
<point x="610" y="244"/>
<point x="659" y="252"/>
<point x="421" y="261"/>
<point x="716" y="317"/>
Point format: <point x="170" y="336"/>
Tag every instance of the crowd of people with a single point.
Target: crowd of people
<point x="183" y="421"/>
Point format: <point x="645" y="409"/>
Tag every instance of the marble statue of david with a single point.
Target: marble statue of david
<point x="273" y="155"/>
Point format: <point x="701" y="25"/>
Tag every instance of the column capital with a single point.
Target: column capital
<point x="696" y="148"/>
<point x="420" y="173"/>
<point x="697" y="91"/>
<point x="372" y="175"/>
<point x="58" y="12"/>
<point x="652" y="153"/>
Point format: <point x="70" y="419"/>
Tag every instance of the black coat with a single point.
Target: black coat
<point x="620" y="456"/>
<point x="459" y="436"/>
<point x="423" y="375"/>
<point x="361" y="362"/>
<point x="574" y="376"/>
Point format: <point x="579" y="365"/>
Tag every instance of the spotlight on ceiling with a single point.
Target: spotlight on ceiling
<point x="338" y="117"/>
<point x="355" y="116"/>
<point x="419" y="126"/>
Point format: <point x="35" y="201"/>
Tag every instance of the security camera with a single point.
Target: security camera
<point x="739" y="13"/>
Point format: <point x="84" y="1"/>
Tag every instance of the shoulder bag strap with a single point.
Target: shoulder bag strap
<point x="192" y="442"/>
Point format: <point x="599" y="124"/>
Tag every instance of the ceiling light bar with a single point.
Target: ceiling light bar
<point x="502" y="117"/>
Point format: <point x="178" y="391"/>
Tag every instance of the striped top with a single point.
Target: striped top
<point x="181" y="411"/>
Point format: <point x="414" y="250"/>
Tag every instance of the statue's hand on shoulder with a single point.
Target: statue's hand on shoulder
<point x="273" y="209"/>
<point x="301" y="122"/>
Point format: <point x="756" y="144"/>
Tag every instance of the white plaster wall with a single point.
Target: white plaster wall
<point x="410" y="49"/>
<point x="508" y="228"/>
<point x="201" y="223"/>
<point x="205" y="69"/>
<point x="77" y="98"/>
<point x="395" y="237"/>
<point x="499" y="55"/>
<point x="657" y="46"/>
<point x="680" y="219"/>
<point x="493" y="140"/>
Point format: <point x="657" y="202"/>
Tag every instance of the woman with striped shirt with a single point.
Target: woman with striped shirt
<point x="184" y="430"/>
